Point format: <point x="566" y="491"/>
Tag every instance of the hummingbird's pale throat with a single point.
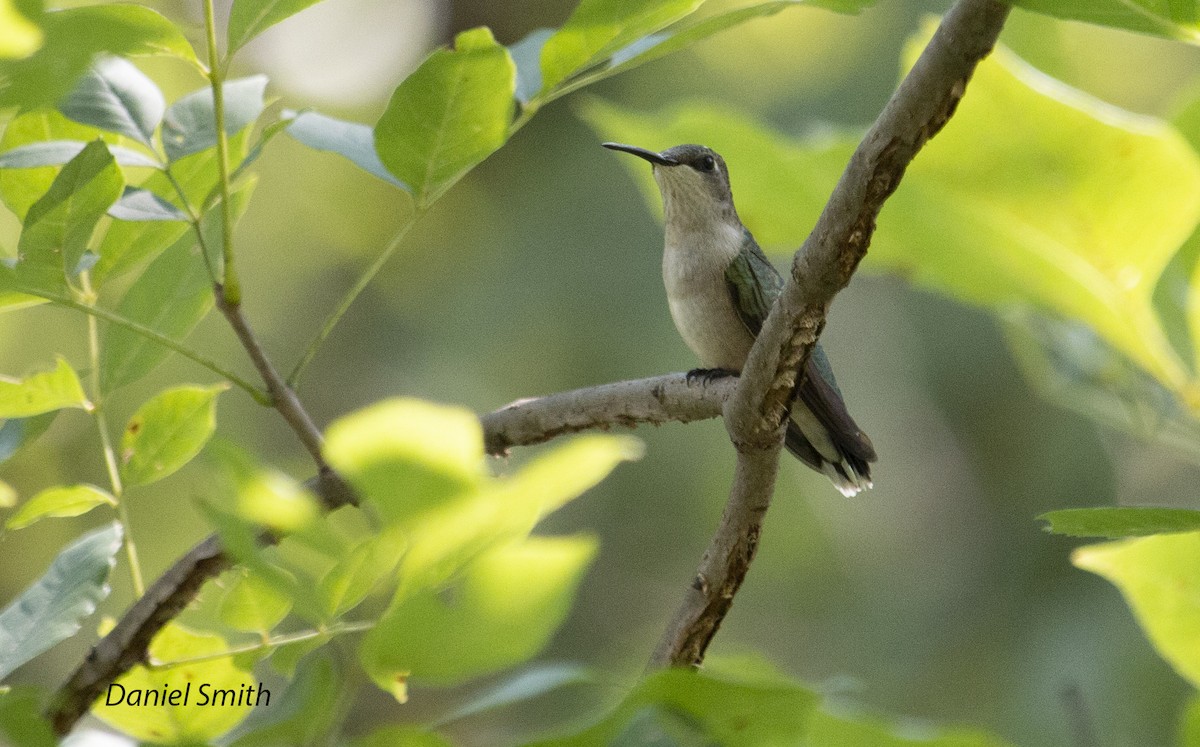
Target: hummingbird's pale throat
<point x="720" y="288"/>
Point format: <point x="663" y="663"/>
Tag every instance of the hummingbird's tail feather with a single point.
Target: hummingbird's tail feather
<point x="810" y="442"/>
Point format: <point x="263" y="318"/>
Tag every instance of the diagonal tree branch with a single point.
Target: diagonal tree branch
<point x="627" y="403"/>
<point x="755" y="414"/>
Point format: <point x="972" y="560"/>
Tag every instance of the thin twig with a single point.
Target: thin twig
<point x="754" y="415"/>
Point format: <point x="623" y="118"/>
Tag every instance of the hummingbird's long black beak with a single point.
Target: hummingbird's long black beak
<point x="649" y="155"/>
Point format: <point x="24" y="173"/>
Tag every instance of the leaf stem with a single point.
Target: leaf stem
<point x="269" y="643"/>
<point x="106" y="445"/>
<point x="231" y="285"/>
<point x="194" y="220"/>
<point x="351" y="295"/>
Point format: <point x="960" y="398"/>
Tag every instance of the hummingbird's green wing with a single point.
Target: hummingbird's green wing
<point x="753" y="284"/>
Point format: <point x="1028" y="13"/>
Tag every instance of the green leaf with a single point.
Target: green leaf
<point x="74" y="37"/>
<point x="1174" y="19"/>
<point x="253" y="604"/>
<point x="1189" y="724"/>
<point x="58" y="152"/>
<point x="449" y="115"/>
<point x="1130" y="521"/>
<point x="59" y="226"/>
<point x="189" y="126"/>
<point x="597" y="28"/>
<point x="16" y="432"/>
<point x="8" y="495"/>
<point x="42" y="392"/>
<point x="202" y="717"/>
<point x="1159" y="578"/>
<point x="350" y="140"/>
<point x="21" y="721"/>
<point x="527" y="56"/>
<point x="406" y="457"/>
<point x="19" y="37"/>
<point x="1025" y="214"/>
<point x="167" y="432"/>
<point x="51" y="609"/>
<point x="60" y="501"/>
<point x="249" y="18"/>
<point x="117" y="97"/>
<point x="360" y="572"/>
<point x="142" y="205"/>
<point x="831" y="730"/>
<point x="304" y="713"/>
<point x="502" y="611"/>
<point x="534" y="682"/>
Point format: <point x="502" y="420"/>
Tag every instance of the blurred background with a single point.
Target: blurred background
<point x="935" y="596"/>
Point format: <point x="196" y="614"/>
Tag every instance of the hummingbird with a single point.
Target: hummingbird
<point x="720" y="288"/>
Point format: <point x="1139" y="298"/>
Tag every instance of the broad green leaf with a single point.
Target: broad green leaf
<point x="363" y="570"/>
<point x="189" y="126"/>
<point x="167" y="432"/>
<point x="59" y="226"/>
<point x="449" y="115"/>
<point x="406" y="457"/>
<point x="253" y="604"/>
<point x="1189" y="725"/>
<point x="138" y="204"/>
<point x="509" y="508"/>
<point x="22" y="723"/>
<point x="51" y="609"/>
<point x="829" y="730"/>
<point x="117" y="97"/>
<point x="502" y="611"/>
<point x="42" y="392"/>
<point x="1174" y="19"/>
<point x="128" y="244"/>
<point x="16" y="432"/>
<point x="74" y="37"/>
<point x="214" y="695"/>
<point x="704" y="708"/>
<point x="249" y="18"/>
<point x="60" y="501"/>
<point x="303" y="714"/>
<point x="1160" y="580"/>
<point x="597" y="28"/>
<point x="58" y="152"/>
<point x="533" y="682"/>
<point x="1026" y="214"/>
<point x="8" y="496"/>
<point x="1121" y="522"/>
<point x="21" y="186"/>
<point x="19" y="36"/>
<point x="350" y="140"/>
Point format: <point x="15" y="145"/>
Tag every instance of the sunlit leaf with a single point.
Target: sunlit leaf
<point x="74" y="37"/>
<point x="189" y="125"/>
<point x="351" y="140"/>
<point x="1176" y="19"/>
<point x="142" y="205"/>
<point x="448" y="115"/>
<point x="167" y="432"/>
<point x="60" y="501"/>
<point x="253" y="604"/>
<point x="597" y="28"/>
<point x="1124" y="521"/>
<point x="59" y="225"/>
<point x="407" y="456"/>
<point x="51" y="609"/>
<point x="115" y="96"/>
<point x="1028" y="214"/>
<point x="42" y="392"/>
<point x="355" y="576"/>
<point x="22" y="723"/>
<point x="214" y="695"/>
<point x="19" y="36"/>
<point x="58" y="152"/>
<point x="1159" y="578"/>
<point x="502" y="611"/>
<point x="8" y="496"/>
<point x="249" y="18"/>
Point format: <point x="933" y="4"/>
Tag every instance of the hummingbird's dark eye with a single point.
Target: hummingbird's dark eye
<point x="708" y="163"/>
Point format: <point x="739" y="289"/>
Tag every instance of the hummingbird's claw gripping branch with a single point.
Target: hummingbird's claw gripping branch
<point x="918" y="109"/>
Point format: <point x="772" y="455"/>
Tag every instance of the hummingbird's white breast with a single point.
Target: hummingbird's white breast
<point x="694" y="263"/>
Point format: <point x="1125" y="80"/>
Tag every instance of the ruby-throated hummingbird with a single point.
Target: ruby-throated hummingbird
<point x="720" y="287"/>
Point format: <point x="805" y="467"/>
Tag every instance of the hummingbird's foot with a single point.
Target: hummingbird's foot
<point x="708" y="375"/>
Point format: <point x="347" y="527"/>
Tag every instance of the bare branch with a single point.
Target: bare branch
<point x="755" y="413"/>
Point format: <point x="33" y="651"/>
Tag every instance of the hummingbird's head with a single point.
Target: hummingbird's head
<point x="693" y="181"/>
